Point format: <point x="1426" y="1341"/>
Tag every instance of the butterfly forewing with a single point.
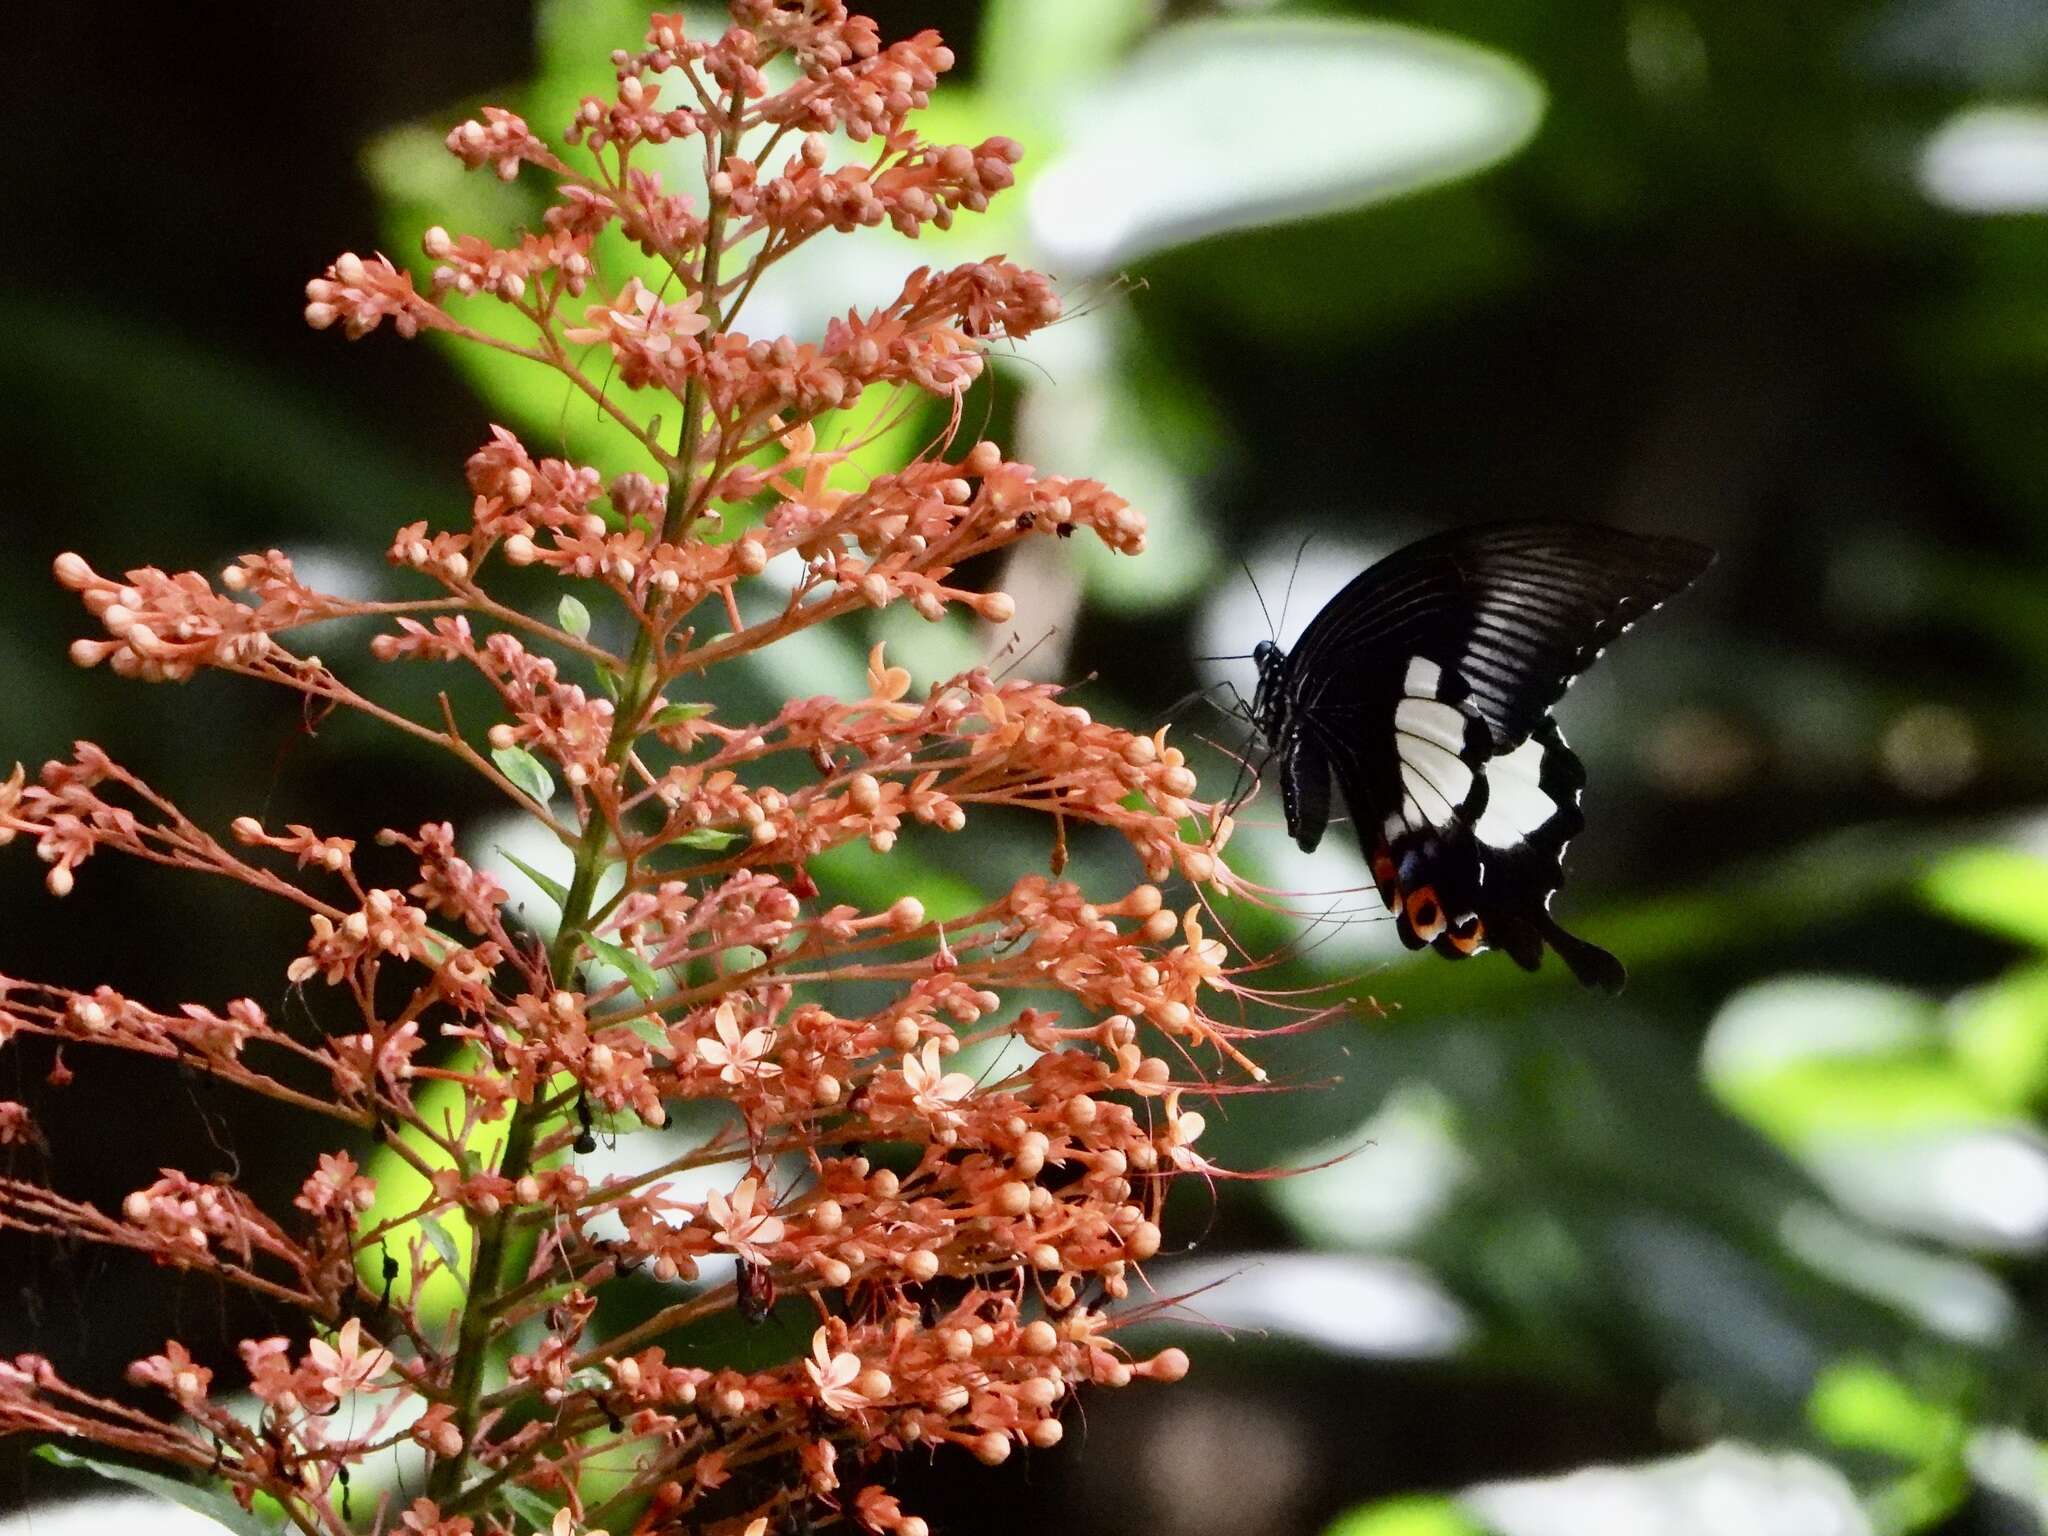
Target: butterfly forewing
<point x="1513" y="611"/>
<point x="1424" y="688"/>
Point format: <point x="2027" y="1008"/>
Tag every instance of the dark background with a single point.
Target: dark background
<point x="1712" y="296"/>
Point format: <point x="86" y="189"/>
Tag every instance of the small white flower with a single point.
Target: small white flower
<point x="740" y="1227"/>
<point x="832" y="1376"/>
<point x="345" y="1366"/>
<point x="934" y="1092"/>
<point x="1181" y="1131"/>
<point x="738" y="1056"/>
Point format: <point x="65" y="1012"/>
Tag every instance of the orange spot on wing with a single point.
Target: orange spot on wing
<point x="1466" y="940"/>
<point x="1386" y="877"/>
<point x="1425" y="913"/>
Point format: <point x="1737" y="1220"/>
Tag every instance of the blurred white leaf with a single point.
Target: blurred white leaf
<point x="1724" y="1489"/>
<point x="1988" y="159"/>
<point x="1950" y="1296"/>
<point x="1980" y="1187"/>
<point x="1347" y="1304"/>
<point x="1853" y="1079"/>
<point x="2015" y="1464"/>
<point x="108" y="1514"/>
<point x="1391" y="1177"/>
<point x="1778" y="1024"/>
<point x="1221" y="125"/>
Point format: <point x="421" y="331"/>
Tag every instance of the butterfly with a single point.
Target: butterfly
<point x="1424" y="690"/>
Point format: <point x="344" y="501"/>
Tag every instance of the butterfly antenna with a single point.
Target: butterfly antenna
<point x="1248" y="576"/>
<point x="1293" y="571"/>
<point x="1179" y="704"/>
<point x="1024" y="655"/>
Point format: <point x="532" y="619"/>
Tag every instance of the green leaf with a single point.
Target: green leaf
<point x="636" y="971"/>
<point x="651" y="1031"/>
<point x="1426" y="1514"/>
<point x="525" y="772"/>
<point x="574" y="617"/>
<point x="1889" y="1096"/>
<point x="443" y="1243"/>
<point x="2000" y="1037"/>
<point x="421" y="183"/>
<point x="1997" y="889"/>
<point x="212" y="1502"/>
<point x="1803" y="1058"/>
<point x="528" y="1506"/>
<point x="553" y="889"/>
<point x="855" y="872"/>
<point x="706" y="837"/>
<point x="676" y="714"/>
<point x="1859" y="1405"/>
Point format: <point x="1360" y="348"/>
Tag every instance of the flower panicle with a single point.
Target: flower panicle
<point x="945" y="1135"/>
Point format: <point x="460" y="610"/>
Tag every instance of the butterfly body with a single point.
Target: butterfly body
<point x="1423" y="692"/>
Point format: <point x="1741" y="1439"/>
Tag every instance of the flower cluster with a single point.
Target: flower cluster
<point x="945" y="1143"/>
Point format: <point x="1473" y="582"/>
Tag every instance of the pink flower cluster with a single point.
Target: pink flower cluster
<point x="945" y="1144"/>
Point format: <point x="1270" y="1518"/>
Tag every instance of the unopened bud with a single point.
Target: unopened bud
<point x="1167" y="1365"/>
<point x="864" y="792"/>
<point x="874" y="1384"/>
<point x="1038" y="1392"/>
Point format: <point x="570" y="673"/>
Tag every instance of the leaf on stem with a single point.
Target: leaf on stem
<point x="525" y="772"/>
<point x="574" y="617"/>
<point x="636" y="971"/>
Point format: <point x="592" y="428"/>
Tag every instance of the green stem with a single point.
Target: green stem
<point x="492" y="1276"/>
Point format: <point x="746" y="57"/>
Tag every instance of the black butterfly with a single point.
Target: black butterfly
<point x="1425" y="689"/>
